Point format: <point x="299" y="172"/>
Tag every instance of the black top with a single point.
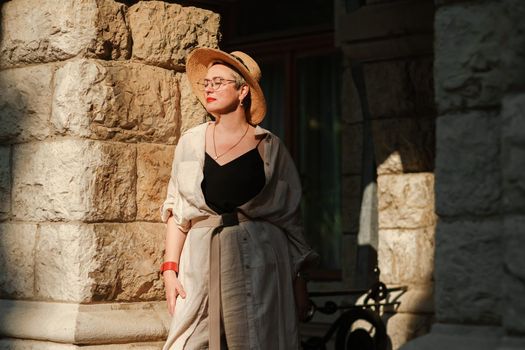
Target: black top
<point x="231" y="185"/>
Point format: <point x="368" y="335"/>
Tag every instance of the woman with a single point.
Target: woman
<point x="234" y="241"/>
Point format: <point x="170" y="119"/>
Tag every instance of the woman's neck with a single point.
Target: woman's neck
<point x="232" y="122"/>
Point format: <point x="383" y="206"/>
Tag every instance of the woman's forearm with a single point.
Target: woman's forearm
<point x="174" y="241"/>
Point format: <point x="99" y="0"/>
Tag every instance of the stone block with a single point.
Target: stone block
<point x="513" y="153"/>
<point x="153" y="174"/>
<point x="468" y="170"/>
<point x="406" y="256"/>
<point x="113" y="36"/>
<point x="351" y="203"/>
<point x="458" y="337"/>
<point x="512" y="118"/>
<point x="108" y="326"/>
<point x="404" y="145"/>
<point x="5" y="182"/>
<point x="64" y="258"/>
<point x="135" y="346"/>
<point x="23" y="344"/>
<point x="19" y="344"/>
<point x="406" y="201"/>
<point x="17" y="243"/>
<point x="512" y="48"/>
<point x="129" y="257"/>
<point x="400" y="89"/>
<point x="99" y="262"/>
<point x="477" y="53"/>
<point x="128" y="102"/>
<point x="25" y="102"/>
<point x="36" y="31"/>
<point x="512" y="342"/>
<point x="192" y="111"/>
<point x="513" y="303"/>
<point x="163" y="34"/>
<point x="402" y="328"/>
<point x="351" y="149"/>
<point x="514" y="278"/>
<point x="468" y="271"/>
<point x="71" y="179"/>
<point x="113" y="185"/>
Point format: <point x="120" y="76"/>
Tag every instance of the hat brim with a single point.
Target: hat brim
<point x="197" y="67"/>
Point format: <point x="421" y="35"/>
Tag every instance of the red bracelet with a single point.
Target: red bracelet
<point x="169" y="265"/>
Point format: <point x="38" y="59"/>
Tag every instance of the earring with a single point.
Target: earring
<point x="241" y="104"/>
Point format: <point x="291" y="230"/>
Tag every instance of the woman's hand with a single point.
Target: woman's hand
<point x="173" y="289"/>
<point x="301" y="298"/>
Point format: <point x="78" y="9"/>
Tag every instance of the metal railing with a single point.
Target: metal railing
<point x="348" y="334"/>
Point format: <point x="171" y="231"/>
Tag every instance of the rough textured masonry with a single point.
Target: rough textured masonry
<point x="480" y="197"/>
<point x="94" y="98"/>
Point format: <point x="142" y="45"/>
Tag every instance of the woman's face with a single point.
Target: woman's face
<point x="227" y="97"/>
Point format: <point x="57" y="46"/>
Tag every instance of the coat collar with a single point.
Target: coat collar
<point x="198" y="139"/>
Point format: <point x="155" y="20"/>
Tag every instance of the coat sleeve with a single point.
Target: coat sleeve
<point x="302" y="255"/>
<point x="174" y="202"/>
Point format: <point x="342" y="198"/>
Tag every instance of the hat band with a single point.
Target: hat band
<point x="242" y="62"/>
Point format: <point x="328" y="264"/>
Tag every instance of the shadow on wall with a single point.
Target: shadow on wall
<point x="400" y="110"/>
<point x="17" y="240"/>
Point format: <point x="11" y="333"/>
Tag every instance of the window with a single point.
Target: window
<point x="301" y="82"/>
<point x="318" y="143"/>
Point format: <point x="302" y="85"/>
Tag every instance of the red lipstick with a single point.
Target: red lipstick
<point x="210" y="99"/>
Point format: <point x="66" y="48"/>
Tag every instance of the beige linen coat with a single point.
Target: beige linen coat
<point x="273" y="251"/>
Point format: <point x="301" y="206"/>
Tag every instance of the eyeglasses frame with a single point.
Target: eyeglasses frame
<point x="216" y="83"/>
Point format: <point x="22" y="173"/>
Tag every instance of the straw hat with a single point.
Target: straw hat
<point x="197" y="66"/>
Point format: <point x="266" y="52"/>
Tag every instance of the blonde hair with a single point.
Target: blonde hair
<point x="239" y="79"/>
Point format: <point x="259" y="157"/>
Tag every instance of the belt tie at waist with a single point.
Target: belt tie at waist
<point x="214" y="284"/>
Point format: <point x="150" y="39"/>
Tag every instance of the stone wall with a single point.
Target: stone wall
<point x="479" y="265"/>
<point x="94" y="98"/>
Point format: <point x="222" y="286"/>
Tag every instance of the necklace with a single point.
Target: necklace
<point x="229" y="149"/>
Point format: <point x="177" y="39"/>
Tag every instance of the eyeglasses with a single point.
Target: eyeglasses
<point x="216" y="83"/>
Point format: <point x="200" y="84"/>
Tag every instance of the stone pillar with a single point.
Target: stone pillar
<point x="479" y="269"/>
<point x="400" y="97"/>
<point x="94" y="98"/>
<point x="394" y="123"/>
